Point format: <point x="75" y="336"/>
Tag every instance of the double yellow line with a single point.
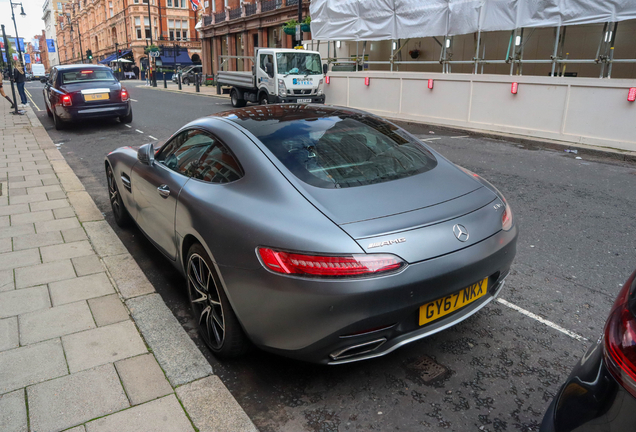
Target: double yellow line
<point x="31" y="99"/>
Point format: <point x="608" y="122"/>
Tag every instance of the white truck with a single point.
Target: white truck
<point x="37" y="69"/>
<point x="278" y="76"/>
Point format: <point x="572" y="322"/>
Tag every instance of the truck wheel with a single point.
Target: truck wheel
<point x="263" y="99"/>
<point x="236" y="102"/>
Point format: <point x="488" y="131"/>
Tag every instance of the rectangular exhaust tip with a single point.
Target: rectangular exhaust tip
<point x="357" y="349"/>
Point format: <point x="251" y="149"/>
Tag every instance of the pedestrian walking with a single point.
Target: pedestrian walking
<point x="135" y="70"/>
<point x="5" y="96"/>
<point x="19" y="77"/>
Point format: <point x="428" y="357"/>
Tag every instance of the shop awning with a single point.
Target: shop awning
<point x="112" y="57"/>
<point x="182" y="59"/>
<point x="356" y="20"/>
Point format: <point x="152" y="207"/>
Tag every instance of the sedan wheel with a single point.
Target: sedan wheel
<point x="122" y="218"/>
<point x="58" y="122"/>
<point x="215" y="318"/>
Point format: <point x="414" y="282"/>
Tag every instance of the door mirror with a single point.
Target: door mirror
<point x="146" y="154"/>
<point x="325" y="68"/>
<point x="43" y="80"/>
<point x="269" y="68"/>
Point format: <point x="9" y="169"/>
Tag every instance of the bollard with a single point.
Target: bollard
<point x="179" y="80"/>
<point x="218" y="89"/>
<point x="165" y="84"/>
<point x="196" y="79"/>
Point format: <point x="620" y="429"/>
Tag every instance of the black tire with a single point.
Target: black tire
<point x="122" y="217"/>
<point x="185" y="81"/>
<point x="48" y="110"/>
<point x="236" y="102"/>
<point x="127" y="118"/>
<point x="217" y="323"/>
<point x="59" y="125"/>
<point x="263" y="99"/>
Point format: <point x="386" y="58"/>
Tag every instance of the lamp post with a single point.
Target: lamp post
<point x="79" y="33"/>
<point x="17" y="38"/>
<point x="153" y="70"/>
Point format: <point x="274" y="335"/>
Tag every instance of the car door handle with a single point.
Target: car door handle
<point x="164" y="191"/>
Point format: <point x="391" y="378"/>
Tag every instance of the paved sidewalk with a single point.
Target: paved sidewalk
<point x="86" y="345"/>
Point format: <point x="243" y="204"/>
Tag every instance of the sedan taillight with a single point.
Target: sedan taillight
<point x="66" y="100"/>
<point x="353" y="265"/>
<point x="620" y="338"/>
<point x="124" y="95"/>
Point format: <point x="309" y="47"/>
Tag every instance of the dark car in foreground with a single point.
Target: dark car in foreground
<point x="600" y="393"/>
<point x="319" y="233"/>
<point x="79" y="92"/>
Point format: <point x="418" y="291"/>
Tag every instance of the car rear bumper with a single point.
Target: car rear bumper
<point x="330" y="321"/>
<point x="93" y="111"/>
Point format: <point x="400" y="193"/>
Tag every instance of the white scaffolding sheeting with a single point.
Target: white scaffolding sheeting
<point x="359" y="20"/>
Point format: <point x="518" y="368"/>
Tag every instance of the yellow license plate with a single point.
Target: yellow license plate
<point x="96" y="96"/>
<point x="445" y="305"/>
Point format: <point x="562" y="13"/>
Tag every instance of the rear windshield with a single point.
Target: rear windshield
<point x="345" y="150"/>
<point x="87" y="75"/>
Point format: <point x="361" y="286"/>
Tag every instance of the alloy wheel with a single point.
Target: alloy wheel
<point x="206" y="302"/>
<point x="113" y="193"/>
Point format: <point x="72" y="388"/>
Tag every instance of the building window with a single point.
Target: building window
<point x="59" y="5"/>
<point x="171" y="29"/>
<point x="169" y="3"/>
<point x="110" y="8"/>
<point x="183" y="4"/>
<point x="147" y="28"/>
<point x="138" y="27"/>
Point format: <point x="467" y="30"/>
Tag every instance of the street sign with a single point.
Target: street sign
<point x="154" y="53"/>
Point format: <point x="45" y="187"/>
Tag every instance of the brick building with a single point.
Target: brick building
<point x="127" y="25"/>
<point x="43" y="51"/>
<point x="235" y="28"/>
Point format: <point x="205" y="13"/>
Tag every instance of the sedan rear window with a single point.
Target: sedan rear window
<point x="343" y="151"/>
<point x="79" y="75"/>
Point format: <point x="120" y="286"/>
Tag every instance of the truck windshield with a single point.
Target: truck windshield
<point x="298" y="63"/>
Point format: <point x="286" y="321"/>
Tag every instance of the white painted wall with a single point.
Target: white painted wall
<point x="575" y="110"/>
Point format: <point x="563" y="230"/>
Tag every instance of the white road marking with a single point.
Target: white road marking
<point x="429" y="139"/>
<point x="32" y="101"/>
<point x="128" y="126"/>
<point x="462" y="136"/>
<point x="139" y="131"/>
<point x="541" y="320"/>
<point x="134" y="100"/>
<point x="153" y="137"/>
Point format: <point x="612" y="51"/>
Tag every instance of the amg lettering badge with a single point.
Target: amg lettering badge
<point x="386" y="243"/>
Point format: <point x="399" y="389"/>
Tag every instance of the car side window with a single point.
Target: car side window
<point x="199" y="155"/>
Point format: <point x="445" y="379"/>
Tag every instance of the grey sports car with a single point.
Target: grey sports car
<point x="319" y="233"/>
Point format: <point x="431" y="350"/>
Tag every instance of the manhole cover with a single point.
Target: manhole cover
<point x="426" y="368"/>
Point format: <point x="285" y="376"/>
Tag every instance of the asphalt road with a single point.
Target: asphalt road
<point x="496" y="371"/>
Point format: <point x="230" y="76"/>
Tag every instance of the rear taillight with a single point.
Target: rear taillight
<point x="66" y="100"/>
<point x="353" y="265"/>
<point x="124" y="95"/>
<point x="506" y="217"/>
<point x="620" y="338"/>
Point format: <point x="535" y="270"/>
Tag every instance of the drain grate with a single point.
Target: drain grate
<point x="426" y="368"/>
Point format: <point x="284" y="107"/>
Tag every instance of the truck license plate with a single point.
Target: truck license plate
<point x="304" y="100"/>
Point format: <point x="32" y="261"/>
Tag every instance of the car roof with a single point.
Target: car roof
<point x="80" y="66"/>
<point x="247" y="117"/>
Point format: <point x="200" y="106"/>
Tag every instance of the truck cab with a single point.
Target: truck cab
<point x="278" y="76"/>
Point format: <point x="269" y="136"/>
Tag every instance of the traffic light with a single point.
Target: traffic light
<point x="119" y="52"/>
<point x="89" y="54"/>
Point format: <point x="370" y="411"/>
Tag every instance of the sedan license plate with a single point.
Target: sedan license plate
<point x="445" y="305"/>
<point x="95" y="97"/>
<point x="304" y="100"/>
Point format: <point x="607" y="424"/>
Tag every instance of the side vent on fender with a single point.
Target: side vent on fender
<point x="126" y="182"/>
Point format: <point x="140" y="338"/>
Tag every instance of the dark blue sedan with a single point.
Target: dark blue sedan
<point x="77" y="92"/>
